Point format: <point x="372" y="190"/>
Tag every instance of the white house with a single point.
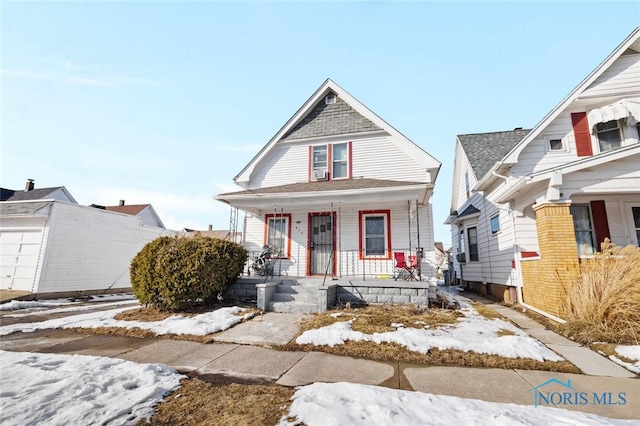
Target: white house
<point x="54" y="247"/>
<point x="528" y="204"/>
<point x="30" y="192"/>
<point x="337" y="191"/>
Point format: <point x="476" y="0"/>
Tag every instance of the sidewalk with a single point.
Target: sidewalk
<point x="229" y="358"/>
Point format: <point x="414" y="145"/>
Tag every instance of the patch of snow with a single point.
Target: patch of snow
<point x="15" y="305"/>
<point x="397" y="325"/>
<point x="80" y="390"/>
<point x="471" y="333"/>
<point x="630" y="352"/>
<point x="199" y="325"/>
<point x="354" y="404"/>
<point x="72" y="309"/>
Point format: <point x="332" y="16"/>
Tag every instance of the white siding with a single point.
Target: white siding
<point x="621" y="176"/>
<point x="621" y="77"/>
<point x="380" y="158"/>
<point x="374" y="157"/>
<point x="465" y="169"/>
<point x="347" y="239"/>
<point x="91" y="249"/>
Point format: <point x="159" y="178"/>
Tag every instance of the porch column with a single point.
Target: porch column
<point x="546" y="280"/>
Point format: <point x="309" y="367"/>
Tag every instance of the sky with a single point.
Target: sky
<point x="165" y="102"/>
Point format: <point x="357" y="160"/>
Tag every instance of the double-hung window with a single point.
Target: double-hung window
<point x="277" y="232"/>
<point x="609" y="135"/>
<point x="583" y="226"/>
<point x="474" y="255"/>
<point x="340" y="166"/>
<point x="319" y="161"/>
<point x="375" y="237"/>
<point x="330" y="161"/>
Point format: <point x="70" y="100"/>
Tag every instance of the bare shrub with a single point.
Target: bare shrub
<point x="603" y="304"/>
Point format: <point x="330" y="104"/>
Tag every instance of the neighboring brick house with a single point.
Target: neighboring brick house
<point x="527" y="204"/>
<point x="337" y="191"/>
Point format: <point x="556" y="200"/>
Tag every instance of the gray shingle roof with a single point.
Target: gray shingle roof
<point x="471" y="209"/>
<point x="22" y="195"/>
<point x="484" y="149"/>
<point x="331" y="185"/>
<point x="22" y="208"/>
<point x="328" y="120"/>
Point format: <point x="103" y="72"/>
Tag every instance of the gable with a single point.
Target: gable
<point x="607" y="76"/>
<point x="332" y="119"/>
<point x="347" y="116"/>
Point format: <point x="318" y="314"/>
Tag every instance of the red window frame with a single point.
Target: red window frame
<point x="287" y="216"/>
<point x="329" y="147"/>
<point x="361" y="234"/>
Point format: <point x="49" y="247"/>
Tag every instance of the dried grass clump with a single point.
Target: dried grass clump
<point x="603" y="304"/>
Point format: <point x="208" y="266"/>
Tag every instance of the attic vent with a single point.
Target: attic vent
<point x="330" y="99"/>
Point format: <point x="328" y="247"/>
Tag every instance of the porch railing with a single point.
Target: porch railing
<point x="348" y="264"/>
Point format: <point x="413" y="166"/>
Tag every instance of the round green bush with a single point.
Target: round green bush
<point x="174" y="273"/>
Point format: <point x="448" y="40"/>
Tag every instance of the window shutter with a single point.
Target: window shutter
<point x="600" y="222"/>
<point x="581" y="133"/>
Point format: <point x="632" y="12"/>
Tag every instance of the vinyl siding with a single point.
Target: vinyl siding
<point x="623" y="76"/>
<point x="373" y="157"/>
<point x="347" y="238"/>
<point x="90" y="249"/>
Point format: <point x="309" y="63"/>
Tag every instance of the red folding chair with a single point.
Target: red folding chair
<point x="404" y="270"/>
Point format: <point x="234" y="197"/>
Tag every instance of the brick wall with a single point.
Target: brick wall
<point x="546" y="280"/>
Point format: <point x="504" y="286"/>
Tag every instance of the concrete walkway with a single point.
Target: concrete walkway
<point x="245" y="354"/>
<point x="588" y="361"/>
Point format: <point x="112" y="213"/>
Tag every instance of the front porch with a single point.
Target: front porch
<point x="318" y="294"/>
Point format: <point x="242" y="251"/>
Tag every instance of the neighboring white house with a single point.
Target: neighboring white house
<point x="527" y="204"/>
<point x="338" y="190"/>
<point x="50" y="246"/>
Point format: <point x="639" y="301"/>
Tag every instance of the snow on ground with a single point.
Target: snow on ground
<point x="52" y="389"/>
<point x="15" y="305"/>
<point x="72" y="309"/>
<point x="472" y="332"/>
<point x="199" y="325"/>
<point x="353" y="404"/>
<point x="630" y="352"/>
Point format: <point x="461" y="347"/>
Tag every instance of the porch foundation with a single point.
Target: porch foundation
<point x="546" y="280"/>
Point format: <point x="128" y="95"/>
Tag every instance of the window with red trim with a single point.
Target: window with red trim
<point x="375" y="234"/>
<point x="277" y="233"/>
<point x="330" y="161"/>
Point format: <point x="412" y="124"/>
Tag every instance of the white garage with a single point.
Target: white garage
<point x="55" y="247"/>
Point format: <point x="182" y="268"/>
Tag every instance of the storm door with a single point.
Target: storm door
<point x="321" y="244"/>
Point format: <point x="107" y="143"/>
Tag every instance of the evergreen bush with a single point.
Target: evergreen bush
<point x="176" y="273"/>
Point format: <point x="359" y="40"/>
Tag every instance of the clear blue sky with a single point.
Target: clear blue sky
<point x="164" y="102"/>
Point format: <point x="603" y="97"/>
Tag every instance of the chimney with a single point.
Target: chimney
<point x="210" y="227"/>
<point x="121" y="203"/>
<point x="29" y="185"/>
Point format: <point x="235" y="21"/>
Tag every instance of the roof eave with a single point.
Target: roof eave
<point x="512" y="156"/>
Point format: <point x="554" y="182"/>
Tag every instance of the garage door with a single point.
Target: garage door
<point x="19" y="254"/>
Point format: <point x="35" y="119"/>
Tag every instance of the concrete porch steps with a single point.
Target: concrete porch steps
<point x="291" y="297"/>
